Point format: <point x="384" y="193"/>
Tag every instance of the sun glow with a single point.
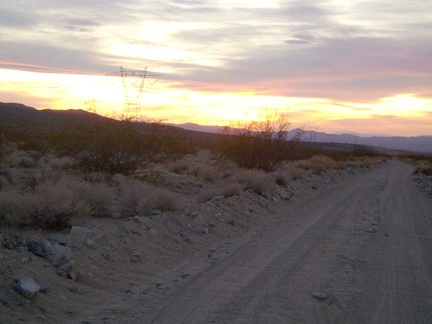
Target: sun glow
<point x="167" y="101"/>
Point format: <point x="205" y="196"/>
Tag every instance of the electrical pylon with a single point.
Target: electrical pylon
<point x="133" y="86"/>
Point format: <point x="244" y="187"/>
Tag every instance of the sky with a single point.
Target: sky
<point x="334" y="66"/>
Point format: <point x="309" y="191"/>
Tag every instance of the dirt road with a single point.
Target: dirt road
<point x="365" y="243"/>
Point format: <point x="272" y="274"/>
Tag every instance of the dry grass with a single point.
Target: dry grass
<point x="203" y="165"/>
<point x="48" y="206"/>
<point x="226" y="191"/>
<point x="137" y="197"/>
<point x="319" y="164"/>
<point x="254" y="180"/>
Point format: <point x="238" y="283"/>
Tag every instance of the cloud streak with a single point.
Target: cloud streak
<point x="336" y="50"/>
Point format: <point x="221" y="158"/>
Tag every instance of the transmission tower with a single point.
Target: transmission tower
<point x="133" y="86"/>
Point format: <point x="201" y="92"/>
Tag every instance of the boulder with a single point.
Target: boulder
<point x="39" y="247"/>
<point x="27" y="287"/>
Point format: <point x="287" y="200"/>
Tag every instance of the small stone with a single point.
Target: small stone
<point x="155" y="212"/>
<point x="75" y="290"/>
<point x="370" y="230"/>
<point x="217" y="215"/>
<point x="205" y="230"/>
<point x="44" y="289"/>
<point x="57" y="238"/>
<point x="319" y="295"/>
<point x="60" y="252"/>
<point x="27" y="287"/>
<point x="135" y="257"/>
<point x="231" y="221"/>
<point x="199" y="221"/>
<point x="185" y="275"/>
<point x="218" y="198"/>
<point x="137" y="219"/>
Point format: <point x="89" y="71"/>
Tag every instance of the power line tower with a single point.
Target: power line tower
<point x="133" y="86"/>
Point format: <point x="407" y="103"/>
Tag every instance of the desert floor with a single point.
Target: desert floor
<point x="359" y="241"/>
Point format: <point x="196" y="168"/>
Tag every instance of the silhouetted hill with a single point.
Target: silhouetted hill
<point x="412" y="144"/>
<point x="15" y="116"/>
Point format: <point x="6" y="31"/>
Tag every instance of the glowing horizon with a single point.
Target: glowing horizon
<point x="336" y="66"/>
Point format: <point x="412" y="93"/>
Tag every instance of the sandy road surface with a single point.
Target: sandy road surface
<point x="366" y="243"/>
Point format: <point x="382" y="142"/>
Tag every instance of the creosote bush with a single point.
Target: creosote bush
<point x="259" y="144"/>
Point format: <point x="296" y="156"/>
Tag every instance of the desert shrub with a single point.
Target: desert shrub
<point x="255" y="180"/>
<point x="114" y="147"/>
<point x="367" y="163"/>
<point x="259" y="144"/>
<point x="226" y="191"/>
<point x="282" y="178"/>
<point x="21" y="159"/>
<point x="137" y="197"/>
<point x="98" y="196"/>
<point x="48" y="206"/>
<point x="319" y="164"/>
<point x="202" y="164"/>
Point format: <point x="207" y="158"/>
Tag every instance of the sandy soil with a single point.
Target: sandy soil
<point x="362" y="240"/>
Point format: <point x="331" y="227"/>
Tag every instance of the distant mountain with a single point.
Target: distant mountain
<point x="422" y="144"/>
<point x="198" y="128"/>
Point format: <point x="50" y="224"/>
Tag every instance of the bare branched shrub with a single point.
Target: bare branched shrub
<point x="259" y="144"/>
<point x="255" y="180"/>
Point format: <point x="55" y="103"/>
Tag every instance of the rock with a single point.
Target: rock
<point x="75" y="290"/>
<point x="39" y="247"/>
<point x="205" y="230"/>
<point x="218" y="198"/>
<point x="79" y="230"/>
<point x="135" y="257"/>
<point x="44" y="289"/>
<point x="199" y="221"/>
<point x="231" y="221"/>
<point x="370" y="230"/>
<point x="137" y="219"/>
<point x="27" y="287"/>
<point x="57" y="238"/>
<point x="319" y="295"/>
<point x="155" y="212"/>
<point x="60" y="252"/>
<point x="283" y="194"/>
<point x="217" y="215"/>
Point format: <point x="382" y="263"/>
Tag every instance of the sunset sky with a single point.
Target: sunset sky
<point x="338" y="65"/>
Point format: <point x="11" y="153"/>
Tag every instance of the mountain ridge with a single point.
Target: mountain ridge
<point x="416" y="144"/>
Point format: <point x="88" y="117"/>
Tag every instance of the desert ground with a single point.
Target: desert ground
<point x="350" y="245"/>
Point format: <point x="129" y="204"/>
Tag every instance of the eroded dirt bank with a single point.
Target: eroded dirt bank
<point x="362" y="238"/>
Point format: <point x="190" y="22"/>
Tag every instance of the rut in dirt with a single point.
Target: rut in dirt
<point x="366" y="243"/>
